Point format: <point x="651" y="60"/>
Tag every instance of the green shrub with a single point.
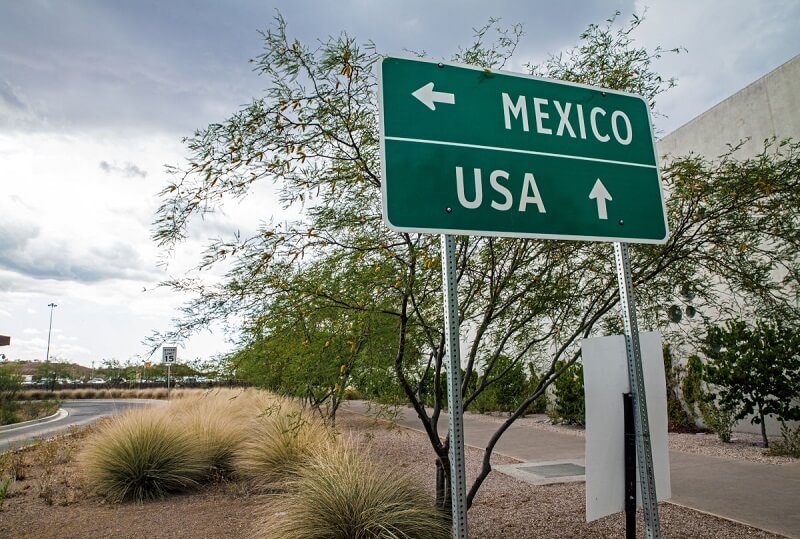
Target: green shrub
<point x="719" y="419"/>
<point x="484" y="402"/>
<point x="570" y="402"/>
<point x="5" y="487"/>
<point x="10" y="385"/>
<point x="692" y="385"/>
<point x="678" y="418"/>
<point x="512" y="388"/>
<point x="789" y="444"/>
<point x="539" y="406"/>
<point x="8" y="412"/>
<point x="343" y="495"/>
<point x="353" y="394"/>
<point x="29" y="410"/>
<point x="507" y="393"/>
<point x="143" y="455"/>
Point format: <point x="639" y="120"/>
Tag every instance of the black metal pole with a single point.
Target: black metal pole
<point x="630" y="467"/>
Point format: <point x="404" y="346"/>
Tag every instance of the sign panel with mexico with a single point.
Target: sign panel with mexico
<point x="467" y="150"/>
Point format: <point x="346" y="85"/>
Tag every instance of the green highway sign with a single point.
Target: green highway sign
<point x="467" y="150"/>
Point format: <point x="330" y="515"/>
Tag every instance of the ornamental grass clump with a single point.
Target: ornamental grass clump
<point x="217" y="424"/>
<point x="341" y="494"/>
<point x="143" y="455"/>
<point x="279" y="445"/>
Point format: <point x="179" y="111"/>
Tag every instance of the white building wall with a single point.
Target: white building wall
<point x="769" y="107"/>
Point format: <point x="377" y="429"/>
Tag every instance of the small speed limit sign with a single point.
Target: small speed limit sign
<point x="169" y="354"/>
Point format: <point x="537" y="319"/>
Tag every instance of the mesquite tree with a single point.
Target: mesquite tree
<point x="314" y="135"/>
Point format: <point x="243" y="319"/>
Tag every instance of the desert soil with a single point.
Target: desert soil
<point x="51" y="500"/>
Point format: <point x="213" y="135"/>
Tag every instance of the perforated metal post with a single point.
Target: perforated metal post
<point x="644" y="452"/>
<point x="456" y="421"/>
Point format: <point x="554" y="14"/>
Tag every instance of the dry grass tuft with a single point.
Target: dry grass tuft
<point x="142" y="455"/>
<point x="341" y="494"/>
<point x="218" y="424"/>
<point x="281" y="442"/>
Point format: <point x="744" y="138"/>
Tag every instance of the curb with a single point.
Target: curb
<point x="61" y="413"/>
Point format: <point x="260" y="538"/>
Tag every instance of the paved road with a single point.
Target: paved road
<point x="766" y="496"/>
<point x="78" y="412"/>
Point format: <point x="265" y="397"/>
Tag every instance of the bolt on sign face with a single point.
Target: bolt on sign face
<point x="467" y="150"/>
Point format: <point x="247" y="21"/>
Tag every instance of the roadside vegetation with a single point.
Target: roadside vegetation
<point x="341" y="493"/>
<point x="266" y="444"/>
<point x="14" y="407"/>
<point x="98" y="393"/>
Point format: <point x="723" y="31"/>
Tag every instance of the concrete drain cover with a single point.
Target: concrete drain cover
<point x="545" y="473"/>
<point x="555" y="470"/>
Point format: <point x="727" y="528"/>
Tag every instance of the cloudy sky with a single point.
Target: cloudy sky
<point x="95" y="97"/>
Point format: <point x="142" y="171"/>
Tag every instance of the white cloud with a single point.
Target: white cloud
<point x="127" y="170"/>
<point x="729" y="45"/>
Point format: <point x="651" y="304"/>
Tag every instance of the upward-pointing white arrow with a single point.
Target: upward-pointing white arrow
<point x="429" y="97"/>
<point x="600" y="193"/>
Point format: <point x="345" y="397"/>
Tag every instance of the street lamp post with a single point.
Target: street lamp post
<point x="47" y="356"/>
<point x="50" y="329"/>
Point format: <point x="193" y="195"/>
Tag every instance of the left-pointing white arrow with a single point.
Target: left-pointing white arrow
<point x="601" y="194"/>
<point x="429" y="97"/>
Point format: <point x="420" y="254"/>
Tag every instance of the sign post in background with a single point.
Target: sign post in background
<point x="169" y="354"/>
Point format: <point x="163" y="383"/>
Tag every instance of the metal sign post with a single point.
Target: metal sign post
<point x="630" y="466"/>
<point x="644" y="452"/>
<point x="455" y="413"/>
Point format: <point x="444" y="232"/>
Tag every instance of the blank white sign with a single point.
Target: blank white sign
<point x="605" y="376"/>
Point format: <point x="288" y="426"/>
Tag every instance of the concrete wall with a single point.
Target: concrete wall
<point x="768" y="107"/>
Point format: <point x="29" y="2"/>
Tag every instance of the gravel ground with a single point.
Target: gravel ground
<point x="51" y="501"/>
<point x="506" y="508"/>
<point x="743" y="446"/>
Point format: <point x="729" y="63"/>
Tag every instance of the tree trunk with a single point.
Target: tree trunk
<point x="763" y="426"/>
<point x="444" y="500"/>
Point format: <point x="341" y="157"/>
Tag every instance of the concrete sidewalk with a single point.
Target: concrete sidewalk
<point x="766" y="496"/>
